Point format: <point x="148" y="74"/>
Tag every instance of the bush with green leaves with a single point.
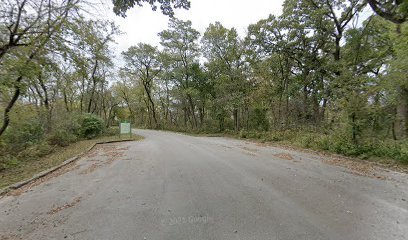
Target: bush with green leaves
<point x="8" y="161"/>
<point x="91" y="126"/>
<point x="112" y="131"/>
<point x="65" y="129"/>
<point x="243" y="133"/>
<point x="23" y="134"/>
<point x="337" y="142"/>
<point x="35" y="151"/>
<point x="61" y="137"/>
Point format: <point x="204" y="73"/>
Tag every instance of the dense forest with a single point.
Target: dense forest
<point x="328" y="75"/>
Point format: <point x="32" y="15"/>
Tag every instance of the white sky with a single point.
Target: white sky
<point x="142" y="24"/>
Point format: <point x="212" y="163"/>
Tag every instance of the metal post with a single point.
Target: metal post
<point x="130" y="130"/>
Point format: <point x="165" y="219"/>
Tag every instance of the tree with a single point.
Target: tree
<point x="24" y="24"/>
<point x="397" y="75"/>
<point x="395" y="11"/>
<point x="167" y="7"/>
<point x="131" y="93"/>
<point x="26" y="27"/>
<point x="180" y="43"/>
<point x="143" y="64"/>
<point x="225" y="55"/>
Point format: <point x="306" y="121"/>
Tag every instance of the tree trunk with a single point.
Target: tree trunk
<point x="236" y="121"/>
<point x="66" y="100"/>
<point x="202" y="112"/>
<point x="192" y="107"/>
<point x="147" y="87"/>
<point x="46" y="103"/>
<point x="185" y="115"/>
<point x="401" y="119"/>
<point x="354" y="127"/>
<point x="221" y="123"/>
<point x="6" y="118"/>
<point x="247" y="118"/>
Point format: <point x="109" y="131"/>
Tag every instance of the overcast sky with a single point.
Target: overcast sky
<point x="142" y="24"/>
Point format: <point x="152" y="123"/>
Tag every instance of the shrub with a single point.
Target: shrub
<point x="112" y="131"/>
<point x="345" y="147"/>
<point x="35" y="151"/>
<point x="305" y="140"/>
<point x="23" y="134"/>
<point x="391" y="149"/>
<point x="274" y="136"/>
<point x="323" y="142"/>
<point x="61" y="137"/>
<point x="255" y="134"/>
<point x="69" y="123"/>
<point x="404" y="154"/>
<point x="91" y="126"/>
<point x="243" y="134"/>
<point x="8" y="161"/>
<point x="229" y="132"/>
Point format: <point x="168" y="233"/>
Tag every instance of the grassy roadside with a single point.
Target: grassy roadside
<point x="388" y="155"/>
<point x="27" y="169"/>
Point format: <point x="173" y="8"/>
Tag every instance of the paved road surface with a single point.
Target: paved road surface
<point x="171" y="186"/>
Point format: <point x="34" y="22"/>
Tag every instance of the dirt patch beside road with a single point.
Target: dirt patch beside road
<point x="285" y="156"/>
<point x="104" y="155"/>
<point x="65" y="206"/>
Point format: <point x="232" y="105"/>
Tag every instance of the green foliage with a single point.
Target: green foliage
<point x="24" y="133"/>
<point x="243" y="133"/>
<point x="35" y="151"/>
<point x="11" y="159"/>
<point x="335" y="143"/>
<point x="8" y="161"/>
<point x="259" y="120"/>
<point x="65" y="129"/>
<point x="394" y="11"/>
<point x="91" y="126"/>
<point x="120" y="7"/>
<point x="338" y="143"/>
<point x="27" y="140"/>
<point x="112" y="131"/>
<point x="143" y="61"/>
<point x="61" y="138"/>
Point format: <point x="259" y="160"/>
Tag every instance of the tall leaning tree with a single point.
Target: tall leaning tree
<point x="26" y="27"/>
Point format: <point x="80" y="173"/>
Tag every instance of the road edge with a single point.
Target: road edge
<point x="44" y="173"/>
<point x="394" y="167"/>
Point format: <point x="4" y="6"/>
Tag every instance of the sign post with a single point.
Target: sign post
<point x="125" y="128"/>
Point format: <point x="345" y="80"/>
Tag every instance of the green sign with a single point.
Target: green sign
<point x="124" y="128"/>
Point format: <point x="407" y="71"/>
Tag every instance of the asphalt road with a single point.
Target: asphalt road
<point x="172" y="186"/>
